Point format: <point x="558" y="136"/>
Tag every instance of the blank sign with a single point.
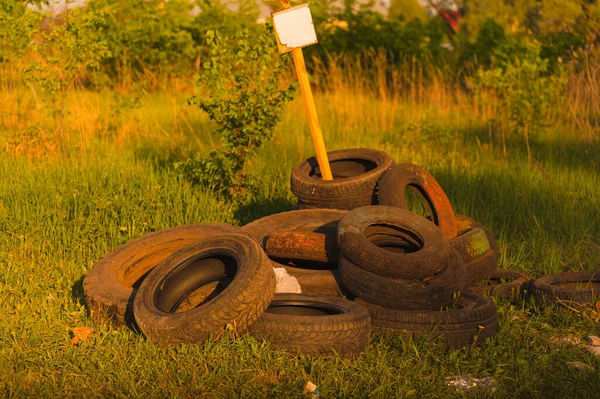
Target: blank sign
<point x="294" y="28"/>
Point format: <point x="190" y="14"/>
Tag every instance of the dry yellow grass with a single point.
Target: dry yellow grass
<point x="350" y="97"/>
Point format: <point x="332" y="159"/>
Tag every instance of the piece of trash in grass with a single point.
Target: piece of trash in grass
<point x="285" y="282"/>
<point x="564" y="340"/>
<point x="466" y="383"/>
<point x="594" y="350"/>
<point x="81" y="334"/>
<point x="312" y="389"/>
<point x="580" y="365"/>
<point x="593" y="340"/>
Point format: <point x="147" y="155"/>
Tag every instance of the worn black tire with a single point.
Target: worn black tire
<point x="317" y="282"/>
<point x="430" y="254"/>
<point x="433" y="294"/>
<point x="471" y="323"/>
<point x="314" y="325"/>
<point x="109" y="287"/>
<point x="570" y="287"/>
<point x="234" y="256"/>
<point x="480" y="259"/>
<point x="355" y="173"/>
<point x="502" y="284"/>
<point x="392" y="190"/>
<point x="464" y="223"/>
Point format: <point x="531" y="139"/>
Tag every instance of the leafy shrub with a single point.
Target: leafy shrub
<point x="246" y="101"/>
<point x="64" y="53"/>
<point x="491" y="35"/>
<point x="18" y="25"/>
<point x="215" y="15"/>
<point x="522" y="88"/>
<point x="145" y="35"/>
<point x="356" y="28"/>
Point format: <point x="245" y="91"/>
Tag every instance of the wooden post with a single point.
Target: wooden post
<point x="311" y="109"/>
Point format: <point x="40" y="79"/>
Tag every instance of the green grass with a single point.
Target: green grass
<point x="58" y="217"/>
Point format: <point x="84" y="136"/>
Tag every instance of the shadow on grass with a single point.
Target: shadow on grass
<point x="564" y="152"/>
<point x="525" y="207"/>
<point x="258" y="208"/>
<point x="77" y="291"/>
<point x="78" y="296"/>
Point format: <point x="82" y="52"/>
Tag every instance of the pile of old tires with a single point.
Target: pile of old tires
<point x="352" y="237"/>
<point x="408" y="271"/>
<point x="186" y="284"/>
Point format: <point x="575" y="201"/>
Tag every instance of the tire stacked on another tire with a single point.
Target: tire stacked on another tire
<point x="355" y="173"/>
<point x="315" y="325"/>
<point x="469" y="238"/>
<point x="475" y="250"/>
<point x="405" y="271"/>
<point x="110" y="286"/>
<point x="392" y="192"/>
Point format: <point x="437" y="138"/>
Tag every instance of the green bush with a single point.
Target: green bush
<point x="149" y="35"/>
<point x="18" y="25"/>
<point x="62" y="55"/>
<point x="216" y="15"/>
<point x="519" y="82"/>
<point x="245" y="99"/>
<point x="355" y="29"/>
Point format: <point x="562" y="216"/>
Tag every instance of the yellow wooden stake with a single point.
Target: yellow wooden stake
<point x="311" y="109"/>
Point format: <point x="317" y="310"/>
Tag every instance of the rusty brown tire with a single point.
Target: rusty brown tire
<point x="314" y="325"/>
<point x="502" y="284"/>
<point x="434" y="293"/>
<point x="480" y="259"/>
<point x="581" y="287"/>
<point x="415" y="248"/>
<point x="472" y="320"/>
<point x="235" y="258"/>
<point x="392" y="192"/>
<point x="323" y="221"/>
<point x="465" y="223"/>
<point x="303" y="245"/>
<point x="111" y="283"/>
<point x="355" y="173"/>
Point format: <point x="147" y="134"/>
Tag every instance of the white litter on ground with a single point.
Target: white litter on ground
<point x="580" y="365"/>
<point x="466" y="383"/>
<point x="285" y="282"/>
<point x="311" y="389"/>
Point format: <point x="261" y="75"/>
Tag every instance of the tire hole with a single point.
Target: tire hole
<point x="302" y="310"/>
<point x="417" y="201"/>
<point x="393" y="238"/>
<point x="302" y="264"/>
<point x="345" y="168"/>
<point x="195" y="282"/>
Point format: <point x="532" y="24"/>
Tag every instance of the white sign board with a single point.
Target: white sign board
<point x="294" y="28"/>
